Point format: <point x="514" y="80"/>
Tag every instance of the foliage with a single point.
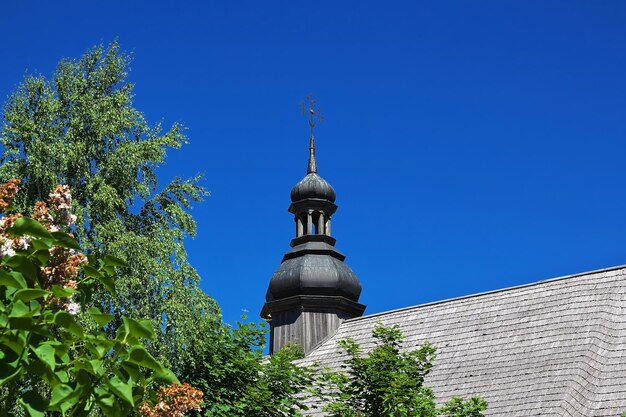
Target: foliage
<point x="388" y="382"/>
<point x="48" y="360"/>
<point x="80" y="128"/>
<point x="239" y="382"/>
<point x="457" y="407"/>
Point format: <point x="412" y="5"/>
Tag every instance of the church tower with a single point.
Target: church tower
<point x="313" y="290"/>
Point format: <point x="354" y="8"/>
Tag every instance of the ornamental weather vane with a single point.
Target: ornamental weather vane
<point x="309" y="108"/>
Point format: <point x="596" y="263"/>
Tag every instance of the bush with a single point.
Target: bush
<point x="50" y="360"/>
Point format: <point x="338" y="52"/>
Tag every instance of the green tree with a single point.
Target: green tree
<point x="388" y="382"/>
<point x="249" y="385"/>
<point x="80" y="128"/>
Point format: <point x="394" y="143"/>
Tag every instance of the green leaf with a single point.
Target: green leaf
<point x="100" y="345"/>
<point x="24" y="323"/>
<point x="83" y="378"/>
<point x="21" y="263"/>
<point x="37" y="367"/>
<point x="60" y="393"/>
<point x="34" y="404"/>
<point x="63" y="353"/>
<point x="41" y="244"/>
<point x="64" y="240"/>
<point x="46" y="354"/>
<point x="108" y="406"/>
<point x="11" y="366"/>
<point x="20" y="310"/>
<point x="113" y="261"/>
<point x="60" y="292"/>
<point x="42" y="255"/>
<point x="97" y="366"/>
<point x="27" y="226"/>
<point x="121" y="389"/>
<point x="92" y="272"/>
<point x="28" y="294"/>
<point x="140" y="329"/>
<point x="6" y="378"/>
<point x="108" y="283"/>
<point x="66" y="320"/>
<point x="106" y="280"/>
<point x="83" y="363"/>
<point x="165" y="376"/>
<point x="133" y="370"/>
<point x="85" y="289"/>
<point x="140" y="356"/>
<point x="14" y="280"/>
<point x="14" y="341"/>
<point x="100" y="317"/>
<point x="109" y="269"/>
<point x="62" y="376"/>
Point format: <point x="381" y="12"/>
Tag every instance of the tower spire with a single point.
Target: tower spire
<point x="312" y="169"/>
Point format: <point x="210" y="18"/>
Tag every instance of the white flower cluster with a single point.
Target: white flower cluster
<point x="55" y="215"/>
<point x="7" y="248"/>
<point x="10" y="244"/>
<point x="60" y="202"/>
<point x="72" y="307"/>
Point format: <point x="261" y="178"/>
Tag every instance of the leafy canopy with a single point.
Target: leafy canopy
<point x="80" y="128"/>
<point x="388" y="382"/>
<point x="239" y="382"/>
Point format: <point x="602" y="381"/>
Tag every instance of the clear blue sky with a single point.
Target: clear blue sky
<point x="473" y="145"/>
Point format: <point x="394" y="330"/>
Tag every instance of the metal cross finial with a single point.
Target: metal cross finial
<point x="309" y="108"/>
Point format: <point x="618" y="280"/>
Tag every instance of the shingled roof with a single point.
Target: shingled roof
<point x="551" y="348"/>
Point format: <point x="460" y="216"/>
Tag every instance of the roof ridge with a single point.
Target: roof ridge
<point x="483" y="293"/>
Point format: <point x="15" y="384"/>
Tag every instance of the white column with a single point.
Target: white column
<point x="320" y="223"/>
<point x="328" y="226"/>
<point x="309" y="222"/>
<point x="299" y="227"/>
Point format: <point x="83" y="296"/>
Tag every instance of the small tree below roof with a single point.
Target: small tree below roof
<point x="388" y="382"/>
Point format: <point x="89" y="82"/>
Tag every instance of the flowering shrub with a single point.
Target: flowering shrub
<point x="48" y="361"/>
<point x="173" y="401"/>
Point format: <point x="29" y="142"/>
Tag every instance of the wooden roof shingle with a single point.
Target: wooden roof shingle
<point x="552" y="348"/>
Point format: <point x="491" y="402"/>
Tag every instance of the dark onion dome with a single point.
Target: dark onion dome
<point x="311" y="273"/>
<point x="313" y="267"/>
<point x="313" y="186"/>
